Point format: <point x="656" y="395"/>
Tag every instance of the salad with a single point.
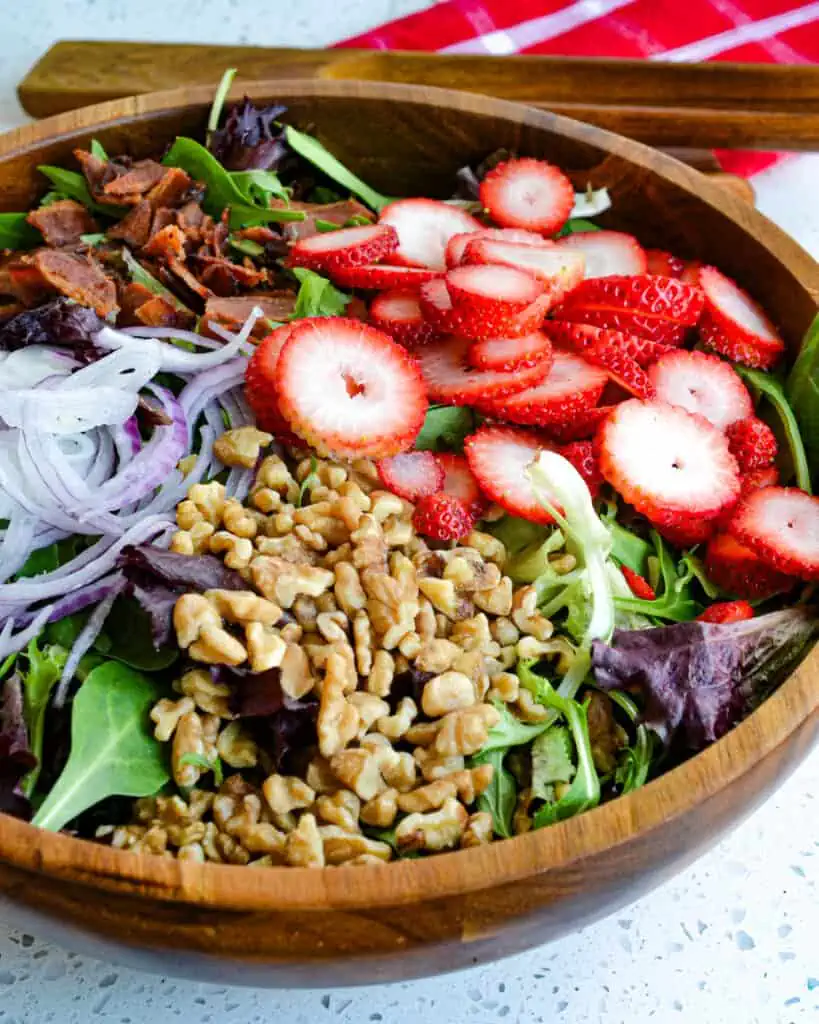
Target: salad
<point x="337" y="528"/>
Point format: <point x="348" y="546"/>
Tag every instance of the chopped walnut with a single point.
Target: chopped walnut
<point x="341" y="846"/>
<point x="394" y="726"/>
<point x="382" y="810"/>
<point x="437" y="830"/>
<point x="166" y="714"/>
<point x="359" y="770"/>
<point x="478" y="830"/>
<point x="283" y="582"/>
<point x="338" y="720"/>
<point x="341" y="808"/>
<point x="241" y="446"/>
<point x="466" y="731"/>
<point x="285" y="793"/>
<point x="429" y="797"/>
<point x="304" y="847"/>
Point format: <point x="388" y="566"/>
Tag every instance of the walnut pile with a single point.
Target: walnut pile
<point x="348" y="604"/>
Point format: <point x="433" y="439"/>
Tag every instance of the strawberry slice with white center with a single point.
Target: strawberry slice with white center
<point x="460" y="483"/>
<point x="451" y="380"/>
<point x="260" y="389"/>
<point x="527" y="193"/>
<point x="781" y="526"/>
<point x="560" y="269"/>
<point x="397" y="312"/>
<point x="661" y="262"/>
<point x="510" y="353"/>
<point x="478" y="322"/>
<point x="382" y="275"/>
<point x="500" y="457"/>
<point x="457" y="244"/>
<point x="424" y="227"/>
<point x="582" y="426"/>
<point x="344" y="248"/>
<point x="412" y="475"/>
<point x="608" y="350"/>
<point x="501" y="288"/>
<point x="572" y="386"/>
<point x="349" y="390"/>
<point x="735" y="568"/>
<point x="607" y="252"/>
<point x="670" y="464"/>
<point x="735" y="325"/>
<point x="703" y="384"/>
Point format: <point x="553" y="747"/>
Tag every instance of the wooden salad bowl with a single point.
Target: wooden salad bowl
<point x="296" y="926"/>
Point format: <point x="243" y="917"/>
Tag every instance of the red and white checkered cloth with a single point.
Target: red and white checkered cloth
<point x="754" y="31"/>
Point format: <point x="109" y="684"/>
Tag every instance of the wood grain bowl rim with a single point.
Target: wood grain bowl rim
<point x="607" y="827"/>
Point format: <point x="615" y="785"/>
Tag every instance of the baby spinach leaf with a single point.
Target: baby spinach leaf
<point x="17" y="233"/>
<point x="500" y="796"/>
<point x="98" y="150"/>
<point x="113" y="752"/>
<point x="445" y="427"/>
<point x="771" y="388"/>
<point x="313" y="151"/>
<point x="73" y="185"/>
<point x="44" y="669"/>
<point x="258" y="187"/>
<point x="577" y="224"/>
<point x="802" y="392"/>
<point x="317" y="296"/>
<point x="127" y="637"/>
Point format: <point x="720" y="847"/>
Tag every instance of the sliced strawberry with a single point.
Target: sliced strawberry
<point x="658" y="261"/>
<point x="658" y="332"/>
<point x="735" y="325"/>
<point x="703" y="384"/>
<point x="639" y="586"/>
<point x="581" y="336"/>
<point x="527" y="193"/>
<point x="260" y="389"/>
<point x="583" y="457"/>
<point x="382" y="275"/>
<point x="510" y="353"/>
<point x="470" y="321"/>
<point x="348" y="247"/>
<point x="499" y="457"/>
<point x="736" y="569"/>
<point x="688" y="531"/>
<point x="670" y="464"/>
<point x="607" y="252"/>
<point x="781" y="526"/>
<point x="450" y="379"/>
<point x="412" y="475"/>
<point x="582" y="426"/>
<point x="559" y="269"/>
<point x="490" y="288"/>
<point x="727" y="611"/>
<point x="460" y="482"/>
<point x="397" y="312"/>
<point x="756" y="478"/>
<point x="572" y="386"/>
<point x="456" y="246"/>
<point x="348" y="389"/>
<point x="442" y="517"/>
<point x="606" y="349"/>
<point x="752" y="443"/>
<point x="644" y="295"/>
<point x="424" y="227"/>
<point x="691" y="272"/>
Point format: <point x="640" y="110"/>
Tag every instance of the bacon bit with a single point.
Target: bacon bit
<point x="225" y="278"/>
<point x="167" y="244"/>
<point x="232" y="312"/>
<point x="26" y="283"/>
<point x="159" y="312"/>
<point x="260" y="234"/>
<point x="79" y="278"/>
<point x="178" y="268"/>
<point x="130" y="187"/>
<point x="135" y="227"/>
<point x="190" y="216"/>
<point x="10" y="309"/>
<point x="63" y="222"/>
<point x="131" y="297"/>
<point x="162" y="218"/>
<point x="334" y="213"/>
<point x="171" y="188"/>
<point x="97" y="172"/>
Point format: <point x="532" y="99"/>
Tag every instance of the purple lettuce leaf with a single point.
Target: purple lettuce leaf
<point x="251" y="139"/>
<point x="60" y="322"/>
<point x="16" y="756"/>
<point x="700" y="678"/>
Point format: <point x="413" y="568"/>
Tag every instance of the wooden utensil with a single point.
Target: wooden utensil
<point x="289" y="926"/>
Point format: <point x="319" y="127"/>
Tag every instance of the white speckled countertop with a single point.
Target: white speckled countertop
<point x="730" y="941"/>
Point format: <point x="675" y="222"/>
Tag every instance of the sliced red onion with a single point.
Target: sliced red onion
<point x="177" y="487"/>
<point x="128" y="370"/>
<point x="74" y="411"/>
<point x="17" y="543"/>
<point x="28" y="367"/>
<point x="210" y="384"/>
<point x="11" y="643"/>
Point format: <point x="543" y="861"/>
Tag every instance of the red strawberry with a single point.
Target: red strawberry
<point x="397" y="312"/>
<point x="643" y="295"/>
<point x="449" y="379"/>
<point x="734" y="325"/>
<point x="456" y="246"/>
<point x="493" y="288"/>
<point x="752" y="443"/>
<point x="424" y="227"/>
<point x="781" y="526"/>
<point x="581" y="427"/>
<point x="527" y="193"/>
<point x="559" y="269"/>
<point x="687" y="532"/>
<point x="691" y="272"/>
<point x="412" y="475"/>
<point x="259" y="388"/>
<point x="468" y="320"/>
<point x="766" y="477"/>
<point x="499" y="457"/>
<point x="736" y="569"/>
<point x="583" y="457"/>
<point x="382" y="275"/>
<point x="572" y="386"/>
<point x="510" y="353"/>
<point x="442" y="517"/>
<point x="703" y="384"/>
<point x="659" y="332"/>
<point x="607" y="350"/>
<point x="459" y="481"/>
<point x="639" y="586"/>
<point x="607" y="252"/>
<point x="671" y="465"/>
<point x="581" y="336"/>
<point x="345" y="248"/>
<point x="727" y="611"/>
<point x="348" y="389"/>
<point x="663" y="263"/>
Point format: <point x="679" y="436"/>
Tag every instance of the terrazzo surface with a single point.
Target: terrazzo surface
<point x="730" y="941"/>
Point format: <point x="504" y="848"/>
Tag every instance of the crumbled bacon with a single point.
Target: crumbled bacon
<point x="63" y="222"/>
<point x="22" y="279"/>
<point x="167" y="244"/>
<point x="334" y="213"/>
<point x="135" y="227"/>
<point x="130" y="187"/>
<point x="79" y="278"/>
<point x="178" y="268"/>
<point x="190" y="216"/>
<point x="232" y="312"/>
<point x="171" y="189"/>
<point x="226" y="278"/>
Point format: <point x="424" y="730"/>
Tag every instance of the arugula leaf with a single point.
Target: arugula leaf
<point x="93" y="240"/>
<point x="500" y="796"/>
<point x="73" y="185"/>
<point x="635" y="761"/>
<point x="674" y="601"/>
<point x="323" y="226"/>
<point x="259" y="186"/>
<point x="17" y="233"/>
<point x="552" y="761"/>
<point x="7" y="665"/>
<point x="219" y="97"/>
<point x="531" y="564"/>
<point x="802" y="392"/>
<point x="113" y="752"/>
<point x="445" y="427"/>
<point x="313" y="151"/>
<point x="139" y="275"/>
<point x="317" y="296"/>
<point x="98" y="150"/>
<point x="44" y="670"/>
<point x="201" y="762"/>
<point x="771" y="388"/>
<point x="246" y="246"/>
<point x="577" y="224"/>
<point x="510" y="731"/>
